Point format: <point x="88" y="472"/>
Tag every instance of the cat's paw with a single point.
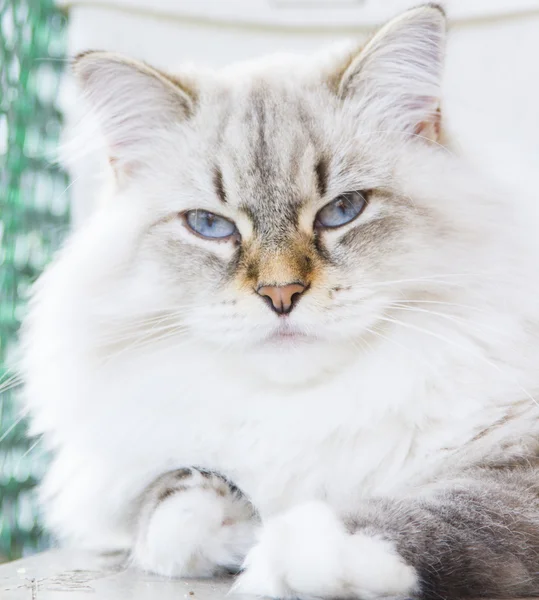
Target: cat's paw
<point x="307" y="553"/>
<point x="193" y="523"/>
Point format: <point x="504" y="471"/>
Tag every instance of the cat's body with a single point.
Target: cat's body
<point x="393" y="402"/>
<point x="369" y="440"/>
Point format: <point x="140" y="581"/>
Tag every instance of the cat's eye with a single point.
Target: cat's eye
<point x="344" y="209"/>
<point x="209" y="225"/>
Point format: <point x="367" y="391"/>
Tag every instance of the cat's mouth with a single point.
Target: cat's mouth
<point x="289" y="334"/>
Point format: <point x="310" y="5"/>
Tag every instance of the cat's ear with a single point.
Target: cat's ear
<point x="133" y="103"/>
<point x="398" y="73"/>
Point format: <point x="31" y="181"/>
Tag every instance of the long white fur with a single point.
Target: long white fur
<point x="359" y="414"/>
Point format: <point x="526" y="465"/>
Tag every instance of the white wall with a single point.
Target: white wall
<point x="492" y="77"/>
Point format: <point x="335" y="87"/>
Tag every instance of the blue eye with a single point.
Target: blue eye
<point x="342" y="210"/>
<point x="209" y="225"/>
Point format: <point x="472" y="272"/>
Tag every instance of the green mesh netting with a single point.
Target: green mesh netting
<point x="33" y="218"/>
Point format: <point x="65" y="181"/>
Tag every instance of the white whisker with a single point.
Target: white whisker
<point x="452" y="318"/>
<point x="11" y="382"/>
<point x="455" y="344"/>
<point x="12" y="426"/>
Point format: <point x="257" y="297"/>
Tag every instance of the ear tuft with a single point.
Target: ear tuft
<point x="437" y="7"/>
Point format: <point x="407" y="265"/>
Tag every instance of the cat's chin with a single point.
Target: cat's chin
<point x="296" y="359"/>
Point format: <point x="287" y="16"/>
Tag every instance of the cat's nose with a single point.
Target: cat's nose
<point x="282" y="298"/>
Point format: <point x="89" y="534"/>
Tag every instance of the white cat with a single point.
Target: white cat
<point x="301" y="333"/>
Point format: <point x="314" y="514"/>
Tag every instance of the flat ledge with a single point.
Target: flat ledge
<point x="50" y="575"/>
<point x="84" y="576"/>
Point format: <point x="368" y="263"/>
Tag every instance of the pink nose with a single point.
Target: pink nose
<point x="282" y="298"/>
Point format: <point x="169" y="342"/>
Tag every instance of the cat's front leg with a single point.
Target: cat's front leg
<point x="475" y="536"/>
<point x="307" y="552"/>
<point x="193" y="523"/>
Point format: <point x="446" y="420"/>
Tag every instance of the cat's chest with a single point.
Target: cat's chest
<point x="283" y="468"/>
<point x="337" y="441"/>
<point x="355" y="434"/>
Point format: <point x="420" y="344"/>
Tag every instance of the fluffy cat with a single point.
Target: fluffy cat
<point x="300" y="336"/>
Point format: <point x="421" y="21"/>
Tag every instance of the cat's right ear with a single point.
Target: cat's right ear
<point x="133" y="103"/>
<point x="397" y="75"/>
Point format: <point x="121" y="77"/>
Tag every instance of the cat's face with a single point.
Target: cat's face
<point x="289" y="224"/>
<point x="273" y="204"/>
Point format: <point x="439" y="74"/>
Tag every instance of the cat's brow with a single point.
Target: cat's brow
<point x="219" y="185"/>
<point x="321" y="171"/>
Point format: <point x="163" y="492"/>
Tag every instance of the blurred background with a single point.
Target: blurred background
<point x="491" y="100"/>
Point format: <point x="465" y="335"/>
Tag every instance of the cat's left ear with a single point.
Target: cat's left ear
<point x="397" y="76"/>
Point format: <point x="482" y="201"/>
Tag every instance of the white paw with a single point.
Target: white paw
<point x="307" y="553"/>
<point x="193" y="526"/>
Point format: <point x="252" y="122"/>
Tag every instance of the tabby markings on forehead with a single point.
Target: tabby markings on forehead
<point x="219" y="185"/>
<point x="321" y="171"/>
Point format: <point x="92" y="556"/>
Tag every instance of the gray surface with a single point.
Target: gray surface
<point x="68" y="575"/>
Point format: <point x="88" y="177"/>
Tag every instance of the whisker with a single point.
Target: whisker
<point x="143" y="342"/>
<point x="400" y="346"/>
<point x="30" y="449"/>
<point x="12" y="426"/>
<point x="454" y="304"/>
<point x="460" y="347"/>
<point x="453" y="318"/>
<point x="11" y="382"/>
<point x="113" y="338"/>
<point x="429" y="278"/>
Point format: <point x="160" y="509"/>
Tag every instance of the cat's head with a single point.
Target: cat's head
<point x="280" y="202"/>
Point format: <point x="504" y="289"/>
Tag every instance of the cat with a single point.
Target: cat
<point x="299" y="338"/>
